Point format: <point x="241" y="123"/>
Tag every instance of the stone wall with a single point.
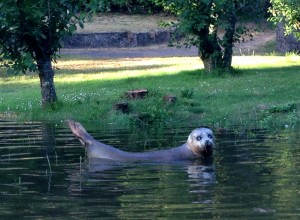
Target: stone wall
<point x="118" y="39"/>
<point x="286" y="43"/>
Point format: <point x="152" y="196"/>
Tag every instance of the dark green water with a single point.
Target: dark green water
<point x="45" y="175"/>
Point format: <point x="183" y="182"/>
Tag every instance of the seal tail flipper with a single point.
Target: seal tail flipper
<point x="80" y="133"/>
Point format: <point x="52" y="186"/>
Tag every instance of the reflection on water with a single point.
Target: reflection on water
<point x="45" y="175"/>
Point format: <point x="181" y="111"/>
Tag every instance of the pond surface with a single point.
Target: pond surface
<point x="45" y="175"/>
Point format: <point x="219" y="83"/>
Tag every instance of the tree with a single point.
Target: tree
<point x="200" y="23"/>
<point x="31" y="33"/>
<point x="210" y="25"/>
<point x="287" y="12"/>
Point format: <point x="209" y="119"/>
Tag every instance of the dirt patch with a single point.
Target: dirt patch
<point x="263" y="42"/>
<point x="121" y="31"/>
<point x="136" y="52"/>
<point x="125" y="23"/>
<point x="258" y="45"/>
<point x="117" y="39"/>
<point x="108" y="26"/>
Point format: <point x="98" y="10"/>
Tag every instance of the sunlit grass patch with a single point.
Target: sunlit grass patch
<point x="293" y="57"/>
<point x="107" y="69"/>
<point x="263" y="61"/>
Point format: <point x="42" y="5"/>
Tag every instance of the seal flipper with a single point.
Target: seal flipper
<point x="78" y="130"/>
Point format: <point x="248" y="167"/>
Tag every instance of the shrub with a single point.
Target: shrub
<point x="130" y="6"/>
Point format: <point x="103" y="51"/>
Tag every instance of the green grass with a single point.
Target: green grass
<point x="263" y="92"/>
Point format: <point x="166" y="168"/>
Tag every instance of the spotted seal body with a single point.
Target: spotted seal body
<point x="200" y="144"/>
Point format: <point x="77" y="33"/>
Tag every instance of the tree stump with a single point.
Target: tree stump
<point x="136" y="94"/>
<point x="122" y="107"/>
<point x="170" y="98"/>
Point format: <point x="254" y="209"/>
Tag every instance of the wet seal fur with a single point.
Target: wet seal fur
<point x="200" y="144"/>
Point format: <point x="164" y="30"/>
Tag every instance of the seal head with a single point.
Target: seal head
<point x="201" y="142"/>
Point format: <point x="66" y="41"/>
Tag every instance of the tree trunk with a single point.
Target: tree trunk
<point x="46" y="75"/>
<point x="228" y="38"/>
<point x="210" y="52"/>
<point x="211" y="63"/>
<point x="215" y="53"/>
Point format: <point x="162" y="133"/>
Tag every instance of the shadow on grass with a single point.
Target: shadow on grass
<point x="192" y="78"/>
<point x="198" y="73"/>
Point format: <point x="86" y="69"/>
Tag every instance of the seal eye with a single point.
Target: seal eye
<point x="198" y="138"/>
<point x="210" y="136"/>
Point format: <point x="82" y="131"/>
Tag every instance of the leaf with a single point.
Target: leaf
<point x="72" y="28"/>
<point x="81" y="25"/>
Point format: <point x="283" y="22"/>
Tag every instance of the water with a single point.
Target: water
<point x="45" y="175"/>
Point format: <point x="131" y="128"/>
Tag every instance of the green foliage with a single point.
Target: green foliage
<point x="130" y="6"/>
<point x="150" y="112"/>
<point x="252" y="10"/>
<point x="284" y="115"/>
<point x="34" y="28"/>
<point x="288" y="107"/>
<point x="187" y="93"/>
<point x="287" y="12"/>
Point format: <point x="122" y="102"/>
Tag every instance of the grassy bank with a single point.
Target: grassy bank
<point x="264" y="92"/>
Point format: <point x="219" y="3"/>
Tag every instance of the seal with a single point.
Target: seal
<point x="200" y="144"/>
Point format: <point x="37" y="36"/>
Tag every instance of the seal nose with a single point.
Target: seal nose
<point x="208" y="144"/>
<point x="208" y="150"/>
